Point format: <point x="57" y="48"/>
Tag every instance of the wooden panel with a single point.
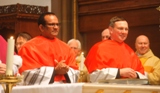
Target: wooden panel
<point x="135" y="17"/>
<point x="19" y="18"/>
<point x="30" y="26"/>
<point x="142" y="16"/>
<point x="88" y="7"/>
<point x="92" y="38"/>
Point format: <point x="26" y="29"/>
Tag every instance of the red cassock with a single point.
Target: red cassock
<point x="41" y="51"/>
<point x="3" y="49"/>
<point x="111" y="54"/>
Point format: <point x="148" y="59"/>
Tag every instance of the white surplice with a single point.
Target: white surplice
<point x="108" y="73"/>
<point x="42" y="76"/>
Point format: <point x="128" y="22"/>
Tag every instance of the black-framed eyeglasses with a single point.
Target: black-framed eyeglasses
<point x="53" y="24"/>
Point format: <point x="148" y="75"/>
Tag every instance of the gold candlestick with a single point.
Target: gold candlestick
<point x="8" y="81"/>
<point x="81" y="75"/>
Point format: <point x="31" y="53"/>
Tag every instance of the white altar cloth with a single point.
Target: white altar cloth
<point x="120" y="88"/>
<point x="52" y="88"/>
<point x="87" y="88"/>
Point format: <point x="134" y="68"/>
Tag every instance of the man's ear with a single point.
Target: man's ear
<point x="41" y="27"/>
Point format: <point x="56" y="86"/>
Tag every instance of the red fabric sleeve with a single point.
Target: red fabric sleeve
<point x="3" y="49"/>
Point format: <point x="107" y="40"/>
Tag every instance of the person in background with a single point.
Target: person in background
<point x="17" y="60"/>
<point x="21" y="39"/>
<point x="75" y="45"/>
<point x="148" y="59"/>
<point x="105" y="34"/>
<point x="113" y="59"/>
<point x="46" y="59"/>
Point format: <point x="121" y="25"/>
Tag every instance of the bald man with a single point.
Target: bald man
<point x="105" y="34"/>
<point x="148" y="59"/>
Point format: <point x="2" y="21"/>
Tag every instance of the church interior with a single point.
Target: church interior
<point x="85" y="20"/>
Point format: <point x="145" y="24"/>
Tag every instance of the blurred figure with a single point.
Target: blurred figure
<point x="21" y="39"/>
<point x="3" y="49"/>
<point x="75" y="45"/>
<point x="17" y="60"/>
<point x="105" y="34"/>
<point x="148" y="59"/>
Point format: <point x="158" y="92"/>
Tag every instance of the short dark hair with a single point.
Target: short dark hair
<point x="41" y="19"/>
<point x="25" y="35"/>
<point x="115" y="19"/>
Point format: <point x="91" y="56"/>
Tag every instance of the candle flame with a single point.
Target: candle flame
<point x="82" y="53"/>
<point x="11" y="37"/>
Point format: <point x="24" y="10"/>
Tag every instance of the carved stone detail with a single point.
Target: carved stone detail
<point x="22" y="8"/>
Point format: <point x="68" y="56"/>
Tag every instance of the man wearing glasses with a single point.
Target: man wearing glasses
<point x="46" y="59"/>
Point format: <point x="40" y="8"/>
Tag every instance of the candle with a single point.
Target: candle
<point x="82" y="61"/>
<point x="10" y="54"/>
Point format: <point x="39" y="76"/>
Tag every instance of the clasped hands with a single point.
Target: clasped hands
<point x="61" y="68"/>
<point x="128" y="73"/>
